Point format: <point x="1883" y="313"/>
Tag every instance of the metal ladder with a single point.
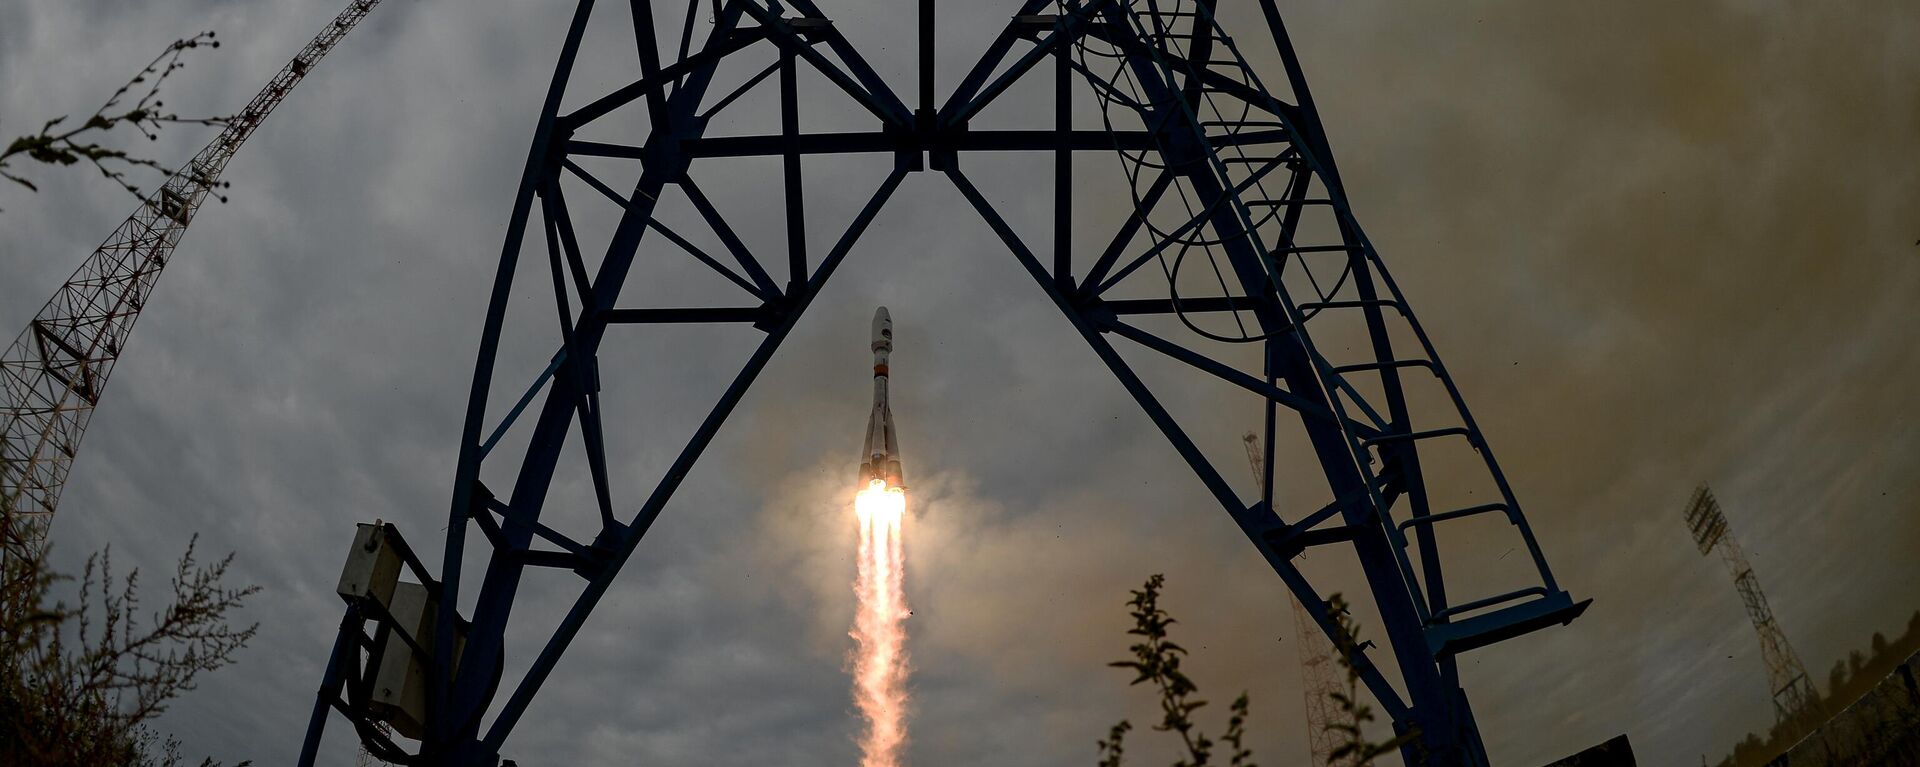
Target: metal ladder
<point x="1277" y="191"/>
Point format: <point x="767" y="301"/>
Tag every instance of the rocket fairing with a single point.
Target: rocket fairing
<point x="881" y="460"/>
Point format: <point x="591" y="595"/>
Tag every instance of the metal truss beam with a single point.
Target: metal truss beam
<point x="1225" y="176"/>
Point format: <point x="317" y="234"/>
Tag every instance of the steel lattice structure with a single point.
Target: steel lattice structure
<point x="1318" y="679"/>
<point x="52" y="376"/>
<point x="1223" y="169"/>
<point x="1787" y="680"/>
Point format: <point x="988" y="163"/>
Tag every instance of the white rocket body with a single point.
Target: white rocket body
<point x="881" y="460"/>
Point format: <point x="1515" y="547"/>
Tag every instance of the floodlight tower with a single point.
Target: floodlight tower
<point x="1231" y="178"/>
<point x="1793" y="693"/>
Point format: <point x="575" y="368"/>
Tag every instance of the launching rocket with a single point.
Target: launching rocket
<point x="881" y="461"/>
<point x="879" y="627"/>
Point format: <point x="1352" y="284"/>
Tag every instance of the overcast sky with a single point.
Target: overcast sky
<point x="1657" y="243"/>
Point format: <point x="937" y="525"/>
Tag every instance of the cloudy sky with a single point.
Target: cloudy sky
<point x="1658" y="244"/>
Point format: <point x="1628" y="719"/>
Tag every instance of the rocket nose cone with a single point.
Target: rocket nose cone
<point x="882" y="328"/>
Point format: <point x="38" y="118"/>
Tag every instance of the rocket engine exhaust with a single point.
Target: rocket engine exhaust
<point x="879" y="662"/>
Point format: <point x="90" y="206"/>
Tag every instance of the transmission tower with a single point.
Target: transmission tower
<point x="1793" y="693"/>
<point x="1318" y="680"/>
<point x="1231" y="180"/>
<point x="52" y="377"/>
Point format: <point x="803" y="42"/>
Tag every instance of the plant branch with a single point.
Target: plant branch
<point x="57" y="146"/>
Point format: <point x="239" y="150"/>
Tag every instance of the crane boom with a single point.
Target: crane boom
<point x="52" y="376"/>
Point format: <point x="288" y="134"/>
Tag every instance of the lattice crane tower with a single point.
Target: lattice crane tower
<point x="52" y="377"/>
<point x="1793" y="693"/>
<point x="1318" y="679"/>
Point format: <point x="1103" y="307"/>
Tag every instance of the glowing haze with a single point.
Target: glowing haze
<point x="879" y="627"/>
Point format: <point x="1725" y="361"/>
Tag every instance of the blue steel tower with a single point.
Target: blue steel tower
<point x="1241" y="261"/>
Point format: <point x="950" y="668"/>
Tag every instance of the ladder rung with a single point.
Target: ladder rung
<point x="1325" y="249"/>
<point x="1508" y="622"/>
<point x="1490" y="601"/>
<point x="1315" y="306"/>
<point x="1407" y="436"/>
<point x="1396" y="364"/>
<point x="1286" y="203"/>
<point x="1321" y="248"/>
<point x="1455" y="514"/>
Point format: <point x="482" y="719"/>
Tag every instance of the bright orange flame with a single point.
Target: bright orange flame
<point x="879" y="628"/>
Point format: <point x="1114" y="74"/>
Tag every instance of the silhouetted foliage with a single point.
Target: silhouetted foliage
<point x="1353" y="748"/>
<point x="79" y="684"/>
<point x="61" y="144"/>
<point x="1156" y="659"/>
<point x="1114" y="747"/>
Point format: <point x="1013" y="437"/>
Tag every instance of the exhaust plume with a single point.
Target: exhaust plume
<point x="879" y="627"/>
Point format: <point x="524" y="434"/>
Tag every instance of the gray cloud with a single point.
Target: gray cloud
<point x="1657" y="244"/>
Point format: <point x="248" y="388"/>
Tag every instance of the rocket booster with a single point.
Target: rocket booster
<point x="881" y="460"/>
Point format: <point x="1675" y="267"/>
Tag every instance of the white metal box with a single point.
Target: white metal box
<point x="373" y="566"/>
<point x="400" y="679"/>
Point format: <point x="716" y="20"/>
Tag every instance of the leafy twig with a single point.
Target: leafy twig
<point x="1240" y="756"/>
<point x="1354" y="750"/>
<point x="1114" y="747"/>
<point x="1156" y="659"/>
<point x="78" y="685"/>
<point x="56" y="146"/>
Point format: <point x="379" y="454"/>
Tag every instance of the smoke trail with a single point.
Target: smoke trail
<point x="879" y="630"/>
